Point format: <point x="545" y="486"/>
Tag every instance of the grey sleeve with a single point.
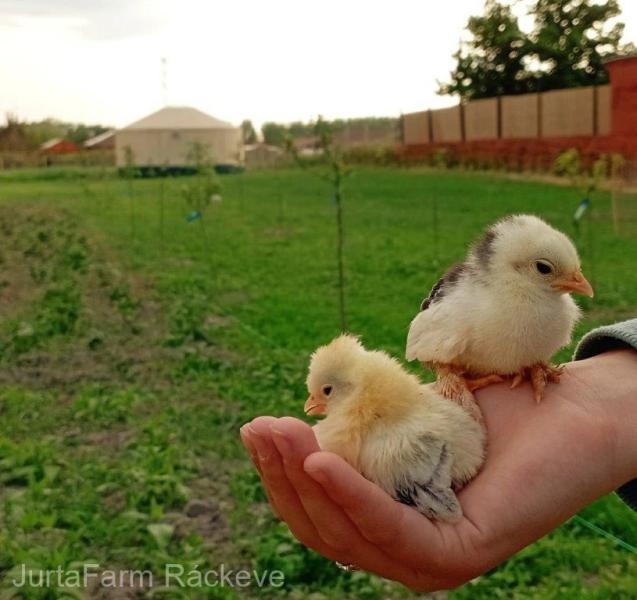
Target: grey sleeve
<point x="603" y="339"/>
<point x="610" y="337"/>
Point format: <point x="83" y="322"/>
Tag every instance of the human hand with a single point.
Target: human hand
<point x="544" y="463"/>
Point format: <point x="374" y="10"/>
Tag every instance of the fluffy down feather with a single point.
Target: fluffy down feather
<point x="492" y="328"/>
<point x="504" y="311"/>
<point x="497" y="314"/>
<point x="398" y="433"/>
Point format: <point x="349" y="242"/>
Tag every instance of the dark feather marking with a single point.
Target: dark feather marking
<point x="439" y="495"/>
<point x="408" y="494"/>
<point x="444" y="284"/>
<point x="483" y="249"/>
<point x="442" y="461"/>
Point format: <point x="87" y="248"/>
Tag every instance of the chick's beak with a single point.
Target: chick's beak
<point x="577" y="283"/>
<point x="314" y="407"/>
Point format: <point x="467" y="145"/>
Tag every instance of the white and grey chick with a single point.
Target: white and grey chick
<point x="397" y="432"/>
<point x="504" y="311"/>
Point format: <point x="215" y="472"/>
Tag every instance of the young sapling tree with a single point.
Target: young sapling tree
<point x="617" y="163"/>
<point x="130" y="172"/>
<point x="202" y="188"/>
<point x="331" y="168"/>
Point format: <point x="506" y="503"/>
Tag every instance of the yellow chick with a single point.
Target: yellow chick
<point x="397" y="432"/>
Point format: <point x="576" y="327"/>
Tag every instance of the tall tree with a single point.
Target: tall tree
<point x="492" y="62"/>
<point x="297" y="129"/>
<point x="571" y="39"/>
<point x="566" y="48"/>
<point x="41" y="131"/>
<point x="13" y="136"/>
<point x="274" y="134"/>
<point x="248" y="132"/>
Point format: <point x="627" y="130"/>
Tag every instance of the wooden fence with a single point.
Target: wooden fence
<point x="556" y="114"/>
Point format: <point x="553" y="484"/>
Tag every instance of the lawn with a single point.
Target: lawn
<point x="135" y="343"/>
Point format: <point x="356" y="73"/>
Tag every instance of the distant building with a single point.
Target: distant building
<point x="167" y="137"/>
<point x="58" y="146"/>
<point x="264" y="155"/>
<point x="103" y="141"/>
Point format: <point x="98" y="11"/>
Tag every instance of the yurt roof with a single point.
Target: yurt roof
<point x="179" y="117"/>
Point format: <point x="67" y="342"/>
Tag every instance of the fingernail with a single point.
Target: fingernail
<point x="260" y="445"/>
<point x="316" y="474"/>
<point x="281" y="441"/>
<point x="244" y="434"/>
<point x="247" y="444"/>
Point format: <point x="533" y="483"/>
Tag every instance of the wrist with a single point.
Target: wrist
<point x="614" y="381"/>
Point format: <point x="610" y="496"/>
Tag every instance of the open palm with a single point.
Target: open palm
<point x="544" y="463"/>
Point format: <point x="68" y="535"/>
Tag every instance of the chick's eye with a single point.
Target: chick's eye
<point x="543" y="267"/>
<point x="326" y="389"/>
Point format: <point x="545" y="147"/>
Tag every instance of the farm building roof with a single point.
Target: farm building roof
<point x="50" y="143"/>
<point x="98" y="139"/>
<point x="58" y="146"/>
<point x="179" y="117"/>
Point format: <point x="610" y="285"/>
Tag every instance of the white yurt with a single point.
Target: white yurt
<point x="166" y="139"/>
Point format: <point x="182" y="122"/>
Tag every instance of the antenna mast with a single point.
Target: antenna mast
<point x="164" y="81"/>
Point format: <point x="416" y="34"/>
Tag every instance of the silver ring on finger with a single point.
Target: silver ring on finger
<point x="347" y="567"/>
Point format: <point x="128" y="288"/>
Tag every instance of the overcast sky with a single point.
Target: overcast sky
<point x="99" y="61"/>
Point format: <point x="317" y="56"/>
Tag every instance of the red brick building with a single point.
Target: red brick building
<point x="58" y="146"/>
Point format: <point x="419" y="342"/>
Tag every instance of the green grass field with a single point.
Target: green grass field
<point x="134" y="344"/>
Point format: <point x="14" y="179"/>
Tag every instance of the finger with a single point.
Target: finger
<point x="295" y="442"/>
<point x="244" y="432"/>
<point x="400" y="531"/>
<point x="248" y="444"/>
<point x="262" y="423"/>
<point x="283" y="494"/>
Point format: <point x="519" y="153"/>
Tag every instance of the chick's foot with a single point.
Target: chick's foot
<point x="468" y="401"/>
<point x="541" y="374"/>
<point x="478" y="383"/>
<point x="452" y="384"/>
<point x="450" y="381"/>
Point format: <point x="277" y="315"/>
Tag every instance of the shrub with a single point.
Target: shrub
<point x="568" y="164"/>
<point x="381" y="156"/>
<point x="441" y="158"/>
